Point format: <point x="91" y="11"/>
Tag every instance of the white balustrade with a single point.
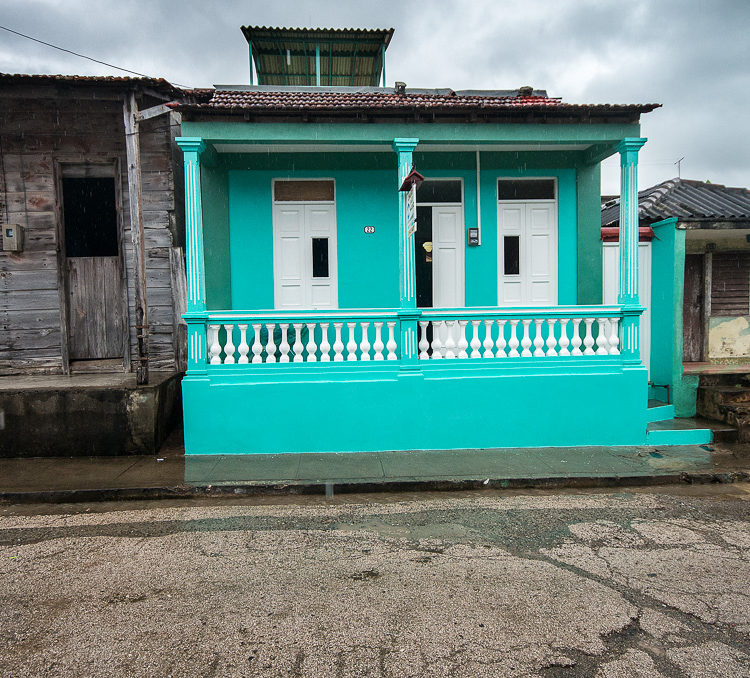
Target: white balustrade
<point x="529" y="336"/>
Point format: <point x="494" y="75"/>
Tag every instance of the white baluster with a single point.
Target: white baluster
<point x="257" y="346"/>
<point x="312" y="347"/>
<point x="614" y="336"/>
<point x="526" y="341"/>
<point x="214" y="347"/>
<point x="501" y="343"/>
<point x="450" y="342"/>
<point x="602" y="337"/>
<point x="551" y="341"/>
<point x="564" y="341"/>
<point x="243" y="348"/>
<point x="298" y="345"/>
<point x="437" y="344"/>
<point x="588" y="340"/>
<point x="475" y="339"/>
<point x="488" y="342"/>
<point x="391" y="344"/>
<point x="462" y="343"/>
<point x="284" y="345"/>
<point x="351" y="345"/>
<point x="423" y="343"/>
<point x="229" y="345"/>
<point x="513" y="341"/>
<point x="538" y="338"/>
<point x="325" y="347"/>
<point x="364" y="345"/>
<point x="576" y="343"/>
<point x="338" y="345"/>
<point x="271" y="344"/>
<point x="378" y="346"/>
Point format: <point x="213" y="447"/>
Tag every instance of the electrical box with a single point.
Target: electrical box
<point x="473" y="236"/>
<point x="12" y="237"/>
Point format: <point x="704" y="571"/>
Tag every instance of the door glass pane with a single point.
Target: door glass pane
<point x="320" y="257"/>
<point x="303" y="191"/>
<point x="511" y="255"/>
<point x="526" y="189"/>
<point x="439" y="191"/>
<point x="90" y="217"/>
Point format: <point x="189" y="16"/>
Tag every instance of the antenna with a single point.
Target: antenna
<point x="678" y="166"/>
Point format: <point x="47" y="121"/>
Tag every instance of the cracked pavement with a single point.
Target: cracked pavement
<point x="644" y="583"/>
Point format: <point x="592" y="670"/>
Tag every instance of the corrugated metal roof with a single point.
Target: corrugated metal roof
<point x="352" y="100"/>
<point x="287" y="56"/>
<point x="159" y="83"/>
<point x="687" y="200"/>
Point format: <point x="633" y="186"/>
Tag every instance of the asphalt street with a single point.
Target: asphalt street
<point x="651" y="582"/>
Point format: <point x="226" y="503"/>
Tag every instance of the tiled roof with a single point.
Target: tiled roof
<point x="157" y="83"/>
<point x="687" y="200"/>
<point x="376" y="99"/>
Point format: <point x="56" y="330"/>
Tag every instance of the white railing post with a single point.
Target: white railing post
<point x="364" y="345"/>
<point x="378" y="346"/>
<point x="271" y="343"/>
<point x="424" y="345"/>
<point x="229" y="346"/>
<point x="312" y="348"/>
<point x="284" y="345"/>
<point x="243" y="348"/>
<point x="325" y="347"/>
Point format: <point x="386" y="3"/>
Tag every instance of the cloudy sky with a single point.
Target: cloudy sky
<point x="693" y="56"/>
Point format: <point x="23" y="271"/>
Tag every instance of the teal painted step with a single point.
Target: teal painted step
<point x="677" y="432"/>
<point x="658" y="411"/>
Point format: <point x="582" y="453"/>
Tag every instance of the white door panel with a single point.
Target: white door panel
<point x="294" y="227"/>
<point x="533" y="279"/>
<point x="448" y="257"/>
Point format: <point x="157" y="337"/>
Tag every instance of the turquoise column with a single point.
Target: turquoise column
<point x="628" y="287"/>
<point x="196" y="315"/>
<point x="407" y="283"/>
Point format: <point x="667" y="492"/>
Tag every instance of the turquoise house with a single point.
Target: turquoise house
<point x="335" y="303"/>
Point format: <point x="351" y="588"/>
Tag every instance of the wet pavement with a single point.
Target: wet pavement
<point x="171" y="473"/>
<point x="604" y="584"/>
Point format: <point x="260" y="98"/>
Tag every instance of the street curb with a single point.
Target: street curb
<point x="250" y="489"/>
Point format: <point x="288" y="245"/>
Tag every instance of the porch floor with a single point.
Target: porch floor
<point x="172" y="474"/>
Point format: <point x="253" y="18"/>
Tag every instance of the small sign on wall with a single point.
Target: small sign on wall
<point x="369" y="229"/>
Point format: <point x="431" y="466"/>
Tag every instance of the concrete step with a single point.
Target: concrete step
<point x="725" y="394"/>
<point x="659" y="411"/>
<point x="678" y="432"/>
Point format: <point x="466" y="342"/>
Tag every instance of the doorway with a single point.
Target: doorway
<point x="439" y="244"/>
<point x="304" y="244"/>
<point x="527" y="242"/>
<point x="92" y="263"/>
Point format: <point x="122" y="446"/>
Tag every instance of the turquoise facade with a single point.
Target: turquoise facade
<point x="240" y="396"/>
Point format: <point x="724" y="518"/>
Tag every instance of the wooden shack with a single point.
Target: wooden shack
<point x="91" y="252"/>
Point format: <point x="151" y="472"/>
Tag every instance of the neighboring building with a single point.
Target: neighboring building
<point x="701" y="282"/>
<point x="321" y="317"/>
<point x="75" y="297"/>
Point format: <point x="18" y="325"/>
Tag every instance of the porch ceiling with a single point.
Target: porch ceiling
<point x="386" y="148"/>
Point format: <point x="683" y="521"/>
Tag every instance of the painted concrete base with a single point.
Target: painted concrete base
<point x="335" y="408"/>
<point x="86" y="415"/>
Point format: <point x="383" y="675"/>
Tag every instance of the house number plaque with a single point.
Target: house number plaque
<point x="369" y="229"/>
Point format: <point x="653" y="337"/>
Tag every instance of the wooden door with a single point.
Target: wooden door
<point x="692" y="313"/>
<point x="93" y="268"/>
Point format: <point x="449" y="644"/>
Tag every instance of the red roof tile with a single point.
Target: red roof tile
<point x="384" y="100"/>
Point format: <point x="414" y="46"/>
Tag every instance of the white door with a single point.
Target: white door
<point x="527" y="253"/>
<point x="447" y="257"/>
<point x="304" y="256"/>
<point x="611" y="284"/>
